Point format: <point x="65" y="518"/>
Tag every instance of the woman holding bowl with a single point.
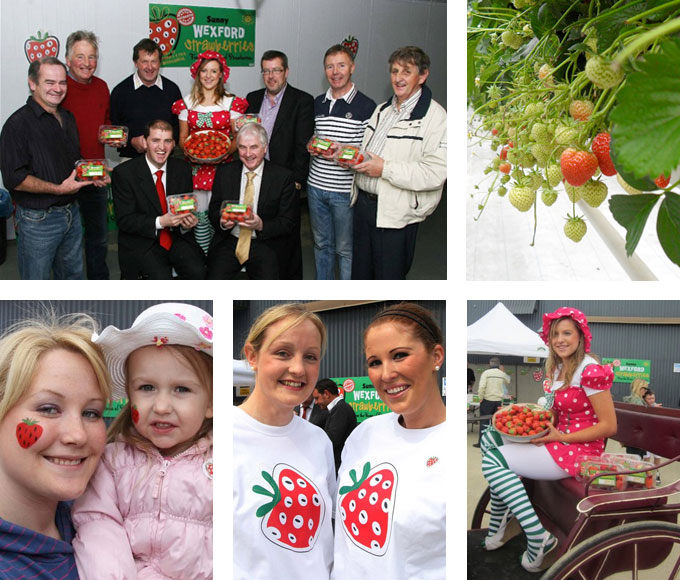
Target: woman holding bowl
<point x="284" y="473"/>
<point x="577" y="389"/>
<point x="390" y="514"/>
<point x="54" y="387"/>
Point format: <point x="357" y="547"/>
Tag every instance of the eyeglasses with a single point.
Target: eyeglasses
<point x="271" y="71"/>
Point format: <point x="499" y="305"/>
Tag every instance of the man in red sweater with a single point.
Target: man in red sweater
<point x="88" y="99"/>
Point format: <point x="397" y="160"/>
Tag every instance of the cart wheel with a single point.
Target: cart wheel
<point x="631" y="547"/>
<point x="481" y="510"/>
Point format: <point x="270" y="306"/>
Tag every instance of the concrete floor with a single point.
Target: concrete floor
<point x="429" y="262"/>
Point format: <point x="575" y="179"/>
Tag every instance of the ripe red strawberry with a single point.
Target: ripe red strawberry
<point x="292" y="519"/>
<point x="504" y="152"/>
<point x="577" y="166"/>
<point x="40" y="46"/>
<point x="367" y="507"/>
<point x="351" y="43"/>
<point x="135" y="414"/>
<point x="600" y="146"/>
<point x="662" y="181"/>
<point x="163" y="29"/>
<point x="505" y="168"/>
<point x="28" y="432"/>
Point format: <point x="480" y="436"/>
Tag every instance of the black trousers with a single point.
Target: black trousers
<point x="486" y="408"/>
<point x="380" y="253"/>
<point x="262" y="263"/>
<point x="185" y="256"/>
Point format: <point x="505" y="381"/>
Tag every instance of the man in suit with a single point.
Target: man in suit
<point x="269" y="191"/>
<point x="341" y="417"/>
<point x="287" y="114"/>
<point x="151" y="240"/>
<point x="312" y="412"/>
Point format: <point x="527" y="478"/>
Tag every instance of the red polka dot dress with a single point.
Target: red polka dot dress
<point x="575" y="411"/>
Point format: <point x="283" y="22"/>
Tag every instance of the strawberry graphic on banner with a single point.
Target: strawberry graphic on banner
<point x="367" y="507"/>
<point x="40" y="46"/>
<point x="293" y="517"/>
<point x="163" y="29"/>
<point x="351" y="43"/>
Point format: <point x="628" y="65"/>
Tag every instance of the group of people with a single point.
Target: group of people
<point x="364" y="219"/>
<point x="136" y="502"/>
<point x="384" y="513"/>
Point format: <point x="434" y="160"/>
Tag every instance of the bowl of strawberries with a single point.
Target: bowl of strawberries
<point x="207" y="146"/>
<point x="521" y="423"/>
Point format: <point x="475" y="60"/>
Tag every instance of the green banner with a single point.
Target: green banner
<point x="362" y="396"/>
<point x="184" y="32"/>
<point x="114" y="407"/>
<point x="626" y="370"/>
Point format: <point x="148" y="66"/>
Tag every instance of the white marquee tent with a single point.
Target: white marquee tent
<point x="501" y="332"/>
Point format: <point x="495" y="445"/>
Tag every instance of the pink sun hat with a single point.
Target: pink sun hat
<point x="166" y="323"/>
<point x="576" y="315"/>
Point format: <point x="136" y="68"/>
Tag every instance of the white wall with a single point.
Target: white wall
<point x="303" y="29"/>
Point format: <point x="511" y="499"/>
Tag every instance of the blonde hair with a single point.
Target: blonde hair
<point x="197" y="94"/>
<point x="200" y="363"/>
<point x="553" y="361"/>
<point x="638" y="386"/>
<point x="295" y="313"/>
<point x="25" y="343"/>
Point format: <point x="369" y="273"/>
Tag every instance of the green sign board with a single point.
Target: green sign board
<point x="362" y="396"/>
<point x="626" y="370"/>
<point x="184" y="32"/>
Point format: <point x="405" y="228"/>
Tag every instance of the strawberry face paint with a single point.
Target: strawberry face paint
<point x="135" y="414"/>
<point x="28" y="432"/>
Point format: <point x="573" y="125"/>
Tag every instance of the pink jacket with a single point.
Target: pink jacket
<point x="147" y="518"/>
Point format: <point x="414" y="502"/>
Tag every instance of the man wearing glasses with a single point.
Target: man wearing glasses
<point x="287" y="114"/>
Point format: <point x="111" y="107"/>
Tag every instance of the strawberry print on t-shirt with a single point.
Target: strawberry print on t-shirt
<point x="293" y="517"/>
<point x="366" y="507"/>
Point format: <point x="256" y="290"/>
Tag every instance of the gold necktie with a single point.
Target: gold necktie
<point x="245" y="234"/>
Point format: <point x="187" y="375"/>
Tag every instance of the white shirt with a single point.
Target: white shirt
<point x="333" y="403"/>
<point x="332" y="99"/>
<point x="257" y="182"/>
<point x="138" y="82"/>
<point x="153" y="170"/>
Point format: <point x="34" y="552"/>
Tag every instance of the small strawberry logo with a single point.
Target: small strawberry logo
<point x="40" y="46"/>
<point x="538" y="375"/>
<point x="351" y="43"/>
<point x="431" y="461"/>
<point x="163" y="29"/>
<point x="292" y="519"/>
<point x="135" y="414"/>
<point x="367" y="507"/>
<point x="160" y="340"/>
<point x="208" y="468"/>
<point x="28" y="432"/>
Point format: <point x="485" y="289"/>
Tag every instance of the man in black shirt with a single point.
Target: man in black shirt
<point x="38" y="149"/>
<point x="143" y="97"/>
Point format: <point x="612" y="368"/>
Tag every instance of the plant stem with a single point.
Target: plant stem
<point x="647" y="38"/>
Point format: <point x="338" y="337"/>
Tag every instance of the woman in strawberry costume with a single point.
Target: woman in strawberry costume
<point x="284" y="473"/>
<point x="207" y="106"/>
<point x="577" y="389"/>
<point x="53" y="391"/>
<point x="390" y="517"/>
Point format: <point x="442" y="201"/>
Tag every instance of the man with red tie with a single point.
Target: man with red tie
<point x="152" y="242"/>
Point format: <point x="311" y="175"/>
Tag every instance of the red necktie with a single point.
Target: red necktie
<point x="165" y="238"/>
<point x="304" y="412"/>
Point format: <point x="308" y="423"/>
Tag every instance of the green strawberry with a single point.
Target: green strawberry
<point x="539" y="133"/>
<point x="548" y="196"/>
<point x="575" y="228"/>
<point x="594" y="192"/>
<point x="511" y="39"/>
<point x="533" y="109"/>
<point x="554" y="175"/>
<point x="573" y="192"/>
<point x="566" y="135"/>
<point x="502" y="191"/>
<point x="603" y="73"/>
<point x="541" y="153"/>
<point x="535" y="180"/>
<point x="522" y="197"/>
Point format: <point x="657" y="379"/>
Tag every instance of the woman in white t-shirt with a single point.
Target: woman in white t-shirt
<point x="390" y="514"/>
<point x="284" y="473"/>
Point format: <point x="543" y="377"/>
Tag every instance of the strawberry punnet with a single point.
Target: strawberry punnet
<point x="600" y="146"/>
<point x="292" y="519"/>
<point x="367" y="507"/>
<point x="578" y="166"/>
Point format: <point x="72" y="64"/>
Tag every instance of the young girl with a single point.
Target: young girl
<point x="284" y="473"/>
<point x="577" y="388"/>
<point x="147" y="512"/>
<point x="53" y="390"/>
<point x="390" y="517"/>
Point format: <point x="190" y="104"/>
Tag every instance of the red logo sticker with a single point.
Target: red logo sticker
<point x="186" y="16"/>
<point x="348" y="385"/>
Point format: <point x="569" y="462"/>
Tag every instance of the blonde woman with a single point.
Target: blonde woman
<point x="284" y="473"/>
<point x="54" y="387"/>
<point x="638" y="388"/>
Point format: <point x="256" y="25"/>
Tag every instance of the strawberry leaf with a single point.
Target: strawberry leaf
<point x="646" y="116"/>
<point x="632" y="211"/>
<point x="275" y="495"/>
<point x="356" y="483"/>
<point x="668" y="226"/>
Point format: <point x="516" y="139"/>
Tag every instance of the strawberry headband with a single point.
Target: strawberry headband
<point x="210" y="55"/>
<point x="576" y="315"/>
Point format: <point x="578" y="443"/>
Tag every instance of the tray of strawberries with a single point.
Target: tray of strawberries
<point x="522" y="423"/>
<point x="235" y="212"/>
<point x="114" y="135"/>
<point x="180" y="203"/>
<point x="320" y="146"/>
<point x="91" y="169"/>
<point x="350" y="155"/>
<point x="207" y="146"/>
<point x="239" y="122"/>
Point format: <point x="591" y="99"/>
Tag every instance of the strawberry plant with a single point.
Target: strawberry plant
<point x="569" y="90"/>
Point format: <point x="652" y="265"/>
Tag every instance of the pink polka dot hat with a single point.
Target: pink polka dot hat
<point x="163" y="324"/>
<point x="576" y="315"/>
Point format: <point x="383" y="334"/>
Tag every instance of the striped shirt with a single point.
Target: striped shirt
<point x="343" y="120"/>
<point x="28" y="554"/>
<point x="389" y="117"/>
